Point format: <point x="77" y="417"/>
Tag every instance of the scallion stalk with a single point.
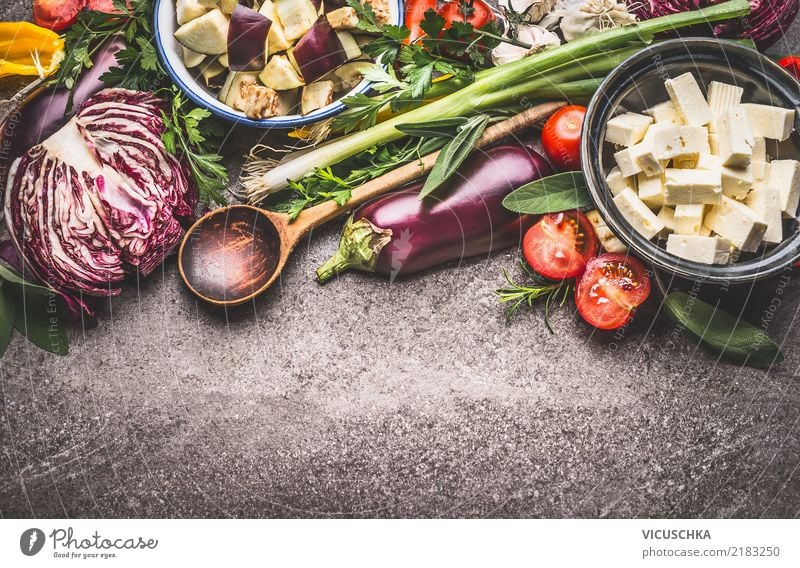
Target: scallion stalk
<point x="261" y="179"/>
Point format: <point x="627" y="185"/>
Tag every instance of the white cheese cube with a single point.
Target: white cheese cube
<point x="770" y="122"/>
<point x="784" y="178"/>
<point x="616" y="182"/>
<point x="651" y="190"/>
<point x="705" y="231"/>
<point x="735" y="138"/>
<point x="692" y="186"/>
<point x="664" y="113"/>
<point x="765" y="202"/>
<point x="722" y="97"/>
<point x="689" y="219"/>
<point x="736" y="182"/>
<point x="628" y="166"/>
<point x="644" y="155"/>
<point x="667" y="216"/>
<point x="760" y="159"/>
<point x="707" y="250"/>
<point x="736" y="222"/>
<point x="691" y="105"/>
<point x="671" y="141"/>
<point x="713" y="142"/>
<point x="627" y="129"/>
<point x="608" y="240"/>
<point x="638" y="214"/>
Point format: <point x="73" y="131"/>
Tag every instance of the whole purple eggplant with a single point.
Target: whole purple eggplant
<point x="399" y="234"/>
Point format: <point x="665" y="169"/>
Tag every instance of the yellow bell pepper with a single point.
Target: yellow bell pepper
<point x="27" y="49"/>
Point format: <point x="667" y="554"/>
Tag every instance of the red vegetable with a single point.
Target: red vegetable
<point x="414" y="11"/>
<point x="319" y="51"/>
<point x="476" y="12"/>
<point x="792" y="65"/>
<point x="105" y="6"/>
<point x="247" y="39"/>
<point x="56" y="15"/>
<point x="561" y="137"/>
<point x="559" y="245"/>
<point x="400" y="234"/>
<point x="610" y="290"/>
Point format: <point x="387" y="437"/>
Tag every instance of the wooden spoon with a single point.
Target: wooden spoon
<point x="233" y="254"/>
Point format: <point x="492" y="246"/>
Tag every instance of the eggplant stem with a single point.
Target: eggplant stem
<point x="359" y="248"/>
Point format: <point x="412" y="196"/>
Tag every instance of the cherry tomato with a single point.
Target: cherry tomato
<point x="56" y="15"/>
<point x="792" y="65"/>
<point x="611" y="289"/>
<point x="561" y="137"/>
<point x="476" y="12"/>
<point x="559" y="245"/>
<point x="414" y="11"/>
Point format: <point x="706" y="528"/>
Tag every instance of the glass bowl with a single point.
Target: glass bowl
<point x="637" y="84"/>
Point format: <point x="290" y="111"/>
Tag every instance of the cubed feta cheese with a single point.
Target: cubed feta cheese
<point x="760" y="158"/>
<point x="765" y="202"/>
<point x="707" y="250"/>
<point x="671" y="141"/>
<point x="628" y="166"/>
<point x="664" y="113"/>
<point x="617" y="182"/>
<point x="770" y="122"/>
<point x="667" y="216"/>
<point x="691" y="105"/>
<point x="735" y="138"/>
<point x="651" y="190"/>
<point x="736" y="222"/>
<point x="644" y="155"/>
<point x="736" y="182"/>
<point x="627" y="129"/>
<point x="722" y="97"/>
<point x="784" y="177"/>
<point x="638" y="214"/>
<point x="692" y="186"/>
<point x="689" y="219"/>
<point x="713" y="142"/>
<point x="608" y="240"/>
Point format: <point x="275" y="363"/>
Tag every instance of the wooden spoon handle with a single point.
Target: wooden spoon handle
<point x="324" y="212"/>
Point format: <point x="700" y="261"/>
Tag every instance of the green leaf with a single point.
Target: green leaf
<point x="734" y="339"/>
<point x="14" y="277"/>
<point x="442" y="127"/>
<point x="454" y="153"/>
<point x="551" y="194"/>
<point x="39" y="319"/>
<point x="6" y="319"/>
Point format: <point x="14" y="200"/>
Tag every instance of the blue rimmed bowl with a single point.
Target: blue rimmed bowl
<point x="169" y="50"/>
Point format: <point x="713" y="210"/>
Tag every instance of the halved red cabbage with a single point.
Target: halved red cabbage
<point x="100" y="197"/>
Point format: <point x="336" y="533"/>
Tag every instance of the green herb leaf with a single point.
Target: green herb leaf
<point x="443" y="127"/>
<point x="6" y="318"/>
<point x="454" y="153"/>
<point x="551" y="194"/>
<point x="519" y="295"/>
<point x="13" y="277"/>
<point x="734" y="339"/>
<point x="39" y="319"/>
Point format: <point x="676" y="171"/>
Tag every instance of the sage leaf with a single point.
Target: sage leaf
<point x="551" y="194"/>
<point x="6" y="319"/>
<point x="734" y="339"/>
<point x="38" y="318"/>
<point x="442" y="127"/>
<point x="15" y="278"/>
<point x="454" y="153"/>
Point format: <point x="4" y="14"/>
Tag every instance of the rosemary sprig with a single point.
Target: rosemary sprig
<point x="518" y="295"/>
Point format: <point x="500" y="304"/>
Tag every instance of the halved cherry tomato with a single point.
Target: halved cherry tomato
<point x="561" y="137"/>
<point x="414" y="13"/>
<point x="56" y="15"/>
<point x="792" y="65"/>
<point x="611" y="289"/>
<point x="476" y="12"/>
<point x="559" y="245"/>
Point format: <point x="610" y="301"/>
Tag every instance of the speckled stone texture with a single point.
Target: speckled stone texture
<point x="413" y="399"/>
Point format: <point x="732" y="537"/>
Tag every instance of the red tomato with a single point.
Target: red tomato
<point x="476" y="12"/>
<point x="414" y="11"/>
<point x="561" y="137"/>
<point x="56" y="15"/>
<point x="611" y="288"/>
<point x="792" y="65"/>
<point x="559" y="245"/>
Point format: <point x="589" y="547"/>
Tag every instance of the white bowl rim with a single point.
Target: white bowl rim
<point x="222" y="110"/>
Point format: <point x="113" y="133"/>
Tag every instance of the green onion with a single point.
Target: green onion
<point x="492" y="87"/>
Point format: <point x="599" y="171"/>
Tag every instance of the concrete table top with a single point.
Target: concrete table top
<point x="412" y="399"/>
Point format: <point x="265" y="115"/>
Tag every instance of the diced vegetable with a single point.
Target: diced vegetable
<point x="316" y="96"/>
<point x="319" y="51"/>
<point x="233" y="91"/>
<point x="227" y="6"/>
<point x="288" y="102"/>
<point x="28" y="49"/>
<point x="276" y="38"/>
<point x="351" y="49"/>
<point x="279" y="74"/>
<point x="213" y="74"/>
<point x="188" y="10"/>
<point x="247" y="40"/>
<point x="207" y="34"/>
<point x="296" y="16"/>
<point x="224" y="60"/>
<point x="349" y="75"/>
<point x="191" y="58"/>
<point x="343" y="19"/>
<point x="255" y="100"/>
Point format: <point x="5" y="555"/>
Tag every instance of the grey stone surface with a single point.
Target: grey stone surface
<point x="413" y="399"/>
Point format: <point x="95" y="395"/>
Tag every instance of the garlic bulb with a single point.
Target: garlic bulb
<point x="579" y="18"/>
<point x="538" y="37"/>
<point x="531" y="10"/>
